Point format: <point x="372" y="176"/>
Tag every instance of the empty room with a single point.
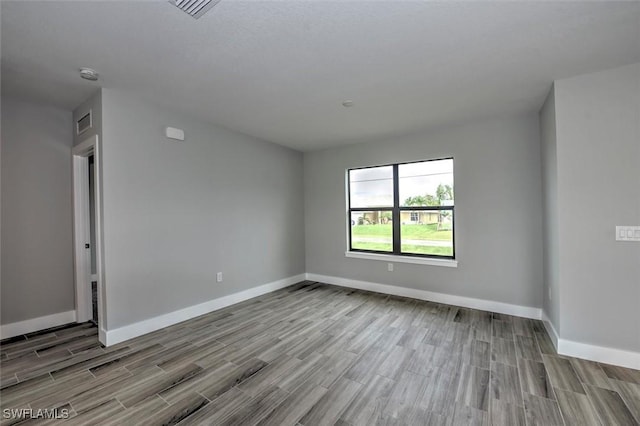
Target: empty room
<point x="311" y="212"/>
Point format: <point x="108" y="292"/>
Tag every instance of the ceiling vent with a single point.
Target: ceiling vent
<point x="195" y="8"/>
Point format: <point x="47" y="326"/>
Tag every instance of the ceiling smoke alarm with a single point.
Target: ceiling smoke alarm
<point x="89" y="74"/>
<point x="194" y="8"/>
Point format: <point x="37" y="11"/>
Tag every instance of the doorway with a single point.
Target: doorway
<point x="92" y="239"/>
<point x="88" y="271"/>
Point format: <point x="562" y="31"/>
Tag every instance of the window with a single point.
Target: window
<point x="403" y="209"/>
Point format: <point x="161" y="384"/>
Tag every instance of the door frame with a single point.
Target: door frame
<point x="81" y="230"/>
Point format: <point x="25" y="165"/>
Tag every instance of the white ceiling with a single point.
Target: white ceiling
<point x="279" y="70"/>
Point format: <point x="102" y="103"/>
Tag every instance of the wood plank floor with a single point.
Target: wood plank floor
<point x="315" y="354"/>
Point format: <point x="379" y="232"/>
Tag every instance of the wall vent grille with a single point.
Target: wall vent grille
<point x="195" y="8"/>
<point x="84" y="123"/>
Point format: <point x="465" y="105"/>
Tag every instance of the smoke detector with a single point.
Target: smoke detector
<point x="194" y="8"/>
<point x="89" y="74"/>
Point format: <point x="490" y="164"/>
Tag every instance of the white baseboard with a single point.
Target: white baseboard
<point x="590" y="352"/>
<point x="111" y="337"/>
<point x="449" y="299"/>
<point x="566" y="347"/>
<point x="602" y="354"/>
<point x="102" y="335"/>
<point x="36" y="324"/>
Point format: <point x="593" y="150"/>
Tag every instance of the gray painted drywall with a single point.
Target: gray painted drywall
<point x="37" y="236"/>
<point x="551" y="293"/>
<point x="598" y="149"/>
<point x="93" y="105"/>
<point x="498" y="210"/>
<point x="177" y="212"/>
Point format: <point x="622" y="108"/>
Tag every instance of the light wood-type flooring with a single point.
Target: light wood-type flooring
<point x="316" y="354"/>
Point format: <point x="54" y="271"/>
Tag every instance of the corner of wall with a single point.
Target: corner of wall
<point x="551" y="329"/>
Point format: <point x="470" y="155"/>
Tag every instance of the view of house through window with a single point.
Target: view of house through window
<point x="403" y="208"/>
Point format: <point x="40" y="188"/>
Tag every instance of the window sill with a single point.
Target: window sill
<point x="449" y="263"/>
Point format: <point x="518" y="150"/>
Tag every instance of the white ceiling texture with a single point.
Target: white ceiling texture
<point x="280" y="70"/>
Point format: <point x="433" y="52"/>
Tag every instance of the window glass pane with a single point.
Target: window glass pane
<point x="431" y="233"/>
<point x="372" y="230"/>
<point x="428" y="183"/>
<point x="372" y="187"/>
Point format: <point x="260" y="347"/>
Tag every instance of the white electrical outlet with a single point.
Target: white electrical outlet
<point x="390" y="267"/>
<point x="219" y="277"/>
<point x="627" y="233"/>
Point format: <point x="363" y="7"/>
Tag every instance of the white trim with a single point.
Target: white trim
<point x="86" y="147"/>
<point x="450" y="263"/>
<point x="36" y="324"/>
<point x="449" y="299"/>
<point x="111" y="337"/>
<point x="102" y="335"/>
<point x="603" y="354"/>
<point x="599" y="353"/>
<point x="81" y="223"/>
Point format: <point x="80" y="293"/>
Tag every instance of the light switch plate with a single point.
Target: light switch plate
<point x="628" y="233"/>
<point x="173" y="133"/>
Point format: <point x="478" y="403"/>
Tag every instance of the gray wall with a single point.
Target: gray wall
<point x="175" y="213"/>
<point x="37" y="236"/>
<point x="551" y="293"/>
<point x="93" y="104"/>
<point x="498" y="210"/>
<point x="598" y="148"/>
